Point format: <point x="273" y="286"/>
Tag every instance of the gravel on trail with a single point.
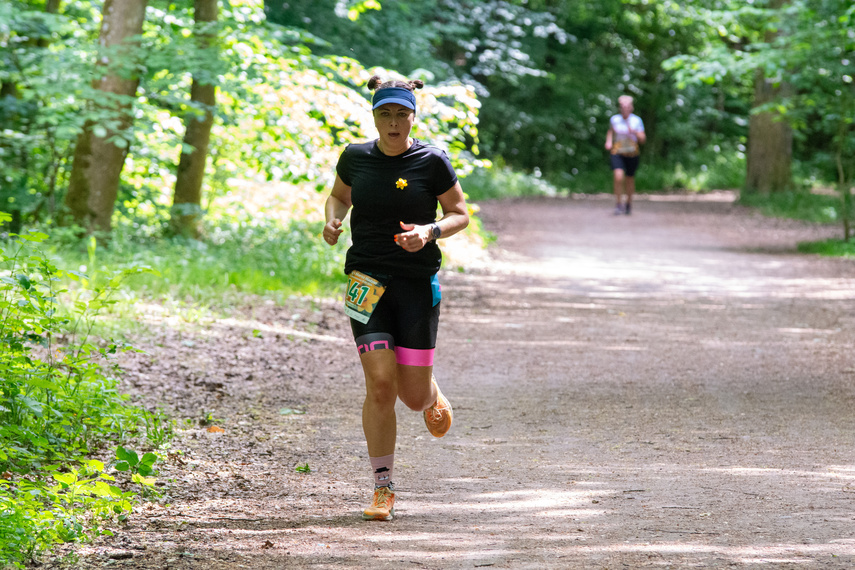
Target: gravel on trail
<point x="671" y="389"/>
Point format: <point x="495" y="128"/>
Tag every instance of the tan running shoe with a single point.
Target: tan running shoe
<point x="381" y="508"/>
<point x="438" y="417"/>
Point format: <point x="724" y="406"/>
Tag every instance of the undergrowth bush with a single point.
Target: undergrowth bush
<point x="798" y="205"/>
<point x="830" y="248"/>
<point x="714" y="169"/>
<point x="58" y="404"/>
<point x="500" y="182"/>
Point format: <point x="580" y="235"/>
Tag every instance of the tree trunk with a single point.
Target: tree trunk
<point x="98" y="161"/>
<point x="52" y="7"/>
<point x="844" y="175"/>
<point x="770" y="139"/>
<point x="187" y="202"/>
<point x="770" y="144"/>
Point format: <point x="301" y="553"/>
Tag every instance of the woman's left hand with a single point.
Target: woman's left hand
<point x="414" y="237"/>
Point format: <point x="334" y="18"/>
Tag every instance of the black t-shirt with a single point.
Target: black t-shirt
<point x="380" y="203"/>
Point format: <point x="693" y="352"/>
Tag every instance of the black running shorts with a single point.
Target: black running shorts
<point x="629" y="164"/>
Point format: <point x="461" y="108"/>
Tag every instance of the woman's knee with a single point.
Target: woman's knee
<point x="381" y="390"/>
<point x="415" y="392"/>
<point x="417" y="402"/>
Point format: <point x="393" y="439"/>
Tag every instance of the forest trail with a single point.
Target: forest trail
<point x="670" y="389"/>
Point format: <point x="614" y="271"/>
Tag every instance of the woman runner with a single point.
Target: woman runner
<point x="393" y="184"/>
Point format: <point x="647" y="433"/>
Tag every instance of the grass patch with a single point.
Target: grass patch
<point x="236" y="259"/>
<point x="829" y="248"/>
<point x="798" y="205"/>
<point x="714" y="169"/>
<point x="810" y="207"/>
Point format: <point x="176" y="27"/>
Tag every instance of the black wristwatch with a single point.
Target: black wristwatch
<point x="435" y="231"/>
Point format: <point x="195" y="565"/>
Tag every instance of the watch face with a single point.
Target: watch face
<point x="436" y="231"/>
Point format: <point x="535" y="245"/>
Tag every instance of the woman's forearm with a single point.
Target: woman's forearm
<point x="452" y="222"/>
<point x="335" y="209"/>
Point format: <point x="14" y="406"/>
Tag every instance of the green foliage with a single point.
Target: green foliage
<point x="810" y="45"/>
<point x="242" y="254"/>
<point x="502" y="182"/>
<point x="43" y="79"/>
<point x="68" y="504"/>
<point x="283" y="113"/>
<point x="713" y="168"/>
<point x="548" y="75"/>
<point x="58" y="402"/>
<point x="830" y="248"/>
<point x="800" y="205"/>
<point x="159" y="428"/>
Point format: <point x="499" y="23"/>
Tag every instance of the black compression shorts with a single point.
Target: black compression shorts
<point x="406" y="320"/>
<point x="629" y="164"/>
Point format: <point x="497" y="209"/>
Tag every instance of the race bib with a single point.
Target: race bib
<point x="625" y="147"/>
<point x="363" y="293"/>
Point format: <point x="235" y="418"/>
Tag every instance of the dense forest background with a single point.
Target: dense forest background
<point x="150" y="109"/>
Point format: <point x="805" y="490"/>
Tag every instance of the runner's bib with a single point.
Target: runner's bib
<point x="363" y="293"/>
<point x="625" y="147"/>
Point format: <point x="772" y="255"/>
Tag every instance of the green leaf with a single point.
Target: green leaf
<point x="66" y="478"/>
<point x="148" y="459"/>
<point x="34" y="236"/>
<point x="147" y="481"/>
<point x="94" y="464"/>
<point x="37" y="382"/>
<point x="127" y="455"/>
<point x="101" y="489"/>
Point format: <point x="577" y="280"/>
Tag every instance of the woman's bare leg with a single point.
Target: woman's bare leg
<point x="619" y="179"/>
<point x="415" y="388"/>
<point x="379" y="422"/>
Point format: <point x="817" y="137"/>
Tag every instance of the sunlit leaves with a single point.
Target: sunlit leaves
<point x="352" y="9"/>
<point x="56" y="403"/>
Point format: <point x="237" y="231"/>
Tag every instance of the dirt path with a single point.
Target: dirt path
<point x="668" y="390"/>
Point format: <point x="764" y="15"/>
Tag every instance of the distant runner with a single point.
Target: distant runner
<point x="626" y="133"/>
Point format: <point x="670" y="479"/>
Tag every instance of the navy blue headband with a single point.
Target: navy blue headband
<point x="397" y="95"/>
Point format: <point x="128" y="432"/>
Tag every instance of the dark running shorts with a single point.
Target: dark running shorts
<point x="629" y="164"/>
<point x="406" y="320"/>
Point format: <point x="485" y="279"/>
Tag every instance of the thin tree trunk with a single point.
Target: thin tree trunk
<point x="770" y="139"/>
<point x="845" y="196"/>
<point x="52" y="7"/>
<point x="187" y="202"/>
<point x="98" y="162"/>
<point x="844" y="178"/>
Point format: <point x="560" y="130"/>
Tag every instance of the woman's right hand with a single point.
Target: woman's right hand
<point x="332" y="230"/>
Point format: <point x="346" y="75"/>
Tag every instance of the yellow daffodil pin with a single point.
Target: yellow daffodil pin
<point x="401" y="183"/>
